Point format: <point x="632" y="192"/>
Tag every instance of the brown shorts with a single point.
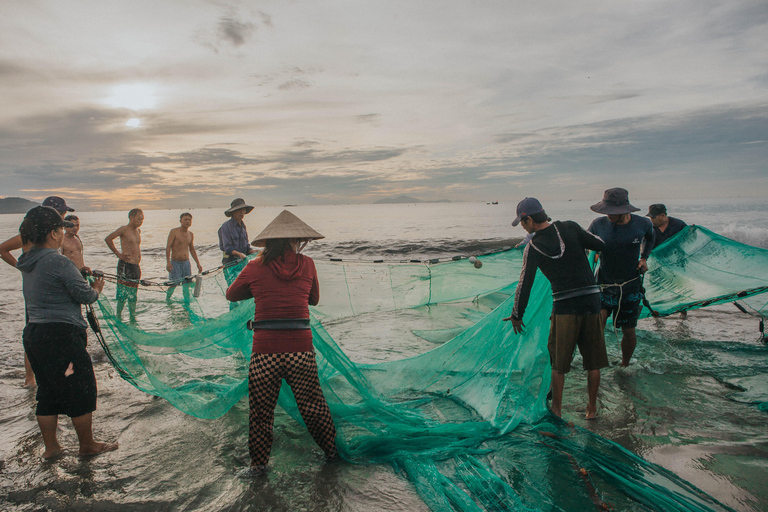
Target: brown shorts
<point x="586" y="331"/>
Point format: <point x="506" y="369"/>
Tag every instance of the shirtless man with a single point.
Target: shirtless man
<point x="130" y="257"/>
<point x="72" y="246"/>
<point x="180" y="245"/>
<point x="13" y="244"/>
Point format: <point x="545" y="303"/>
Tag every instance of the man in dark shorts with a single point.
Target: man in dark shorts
<point x="128" y="266"/>
<point x="559" y="250"/>
<point x="664" y="227"/>
<point x="628" y="242"/>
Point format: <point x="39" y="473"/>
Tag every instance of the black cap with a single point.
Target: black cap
<point x="656" y="209"/>
<point x="46" y="219"/>
<point x="57" y="204"/>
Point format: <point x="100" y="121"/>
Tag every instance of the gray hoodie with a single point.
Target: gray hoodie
<point x="53" y="288"/>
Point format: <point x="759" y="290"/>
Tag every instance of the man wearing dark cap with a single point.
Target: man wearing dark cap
<point x="628" y="242"/>
<point x="15" y="243"/>
<point x="57" y="204"/>
<point x="559" y="250"/>
<point x="664" y="227"/>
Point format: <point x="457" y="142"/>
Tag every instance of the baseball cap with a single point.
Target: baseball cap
<point x="527" y="207"/>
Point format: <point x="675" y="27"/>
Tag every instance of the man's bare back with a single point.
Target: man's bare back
<point x="130" y="240"/>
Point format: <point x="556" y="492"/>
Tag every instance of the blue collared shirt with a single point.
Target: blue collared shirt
<point x="233" y="236"/>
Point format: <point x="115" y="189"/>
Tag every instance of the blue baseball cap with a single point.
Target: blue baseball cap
<point x="526" y="208"/>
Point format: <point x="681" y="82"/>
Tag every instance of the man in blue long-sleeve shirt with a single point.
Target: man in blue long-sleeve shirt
<point x="628" y="243"/>
<point x="233" y="235"/>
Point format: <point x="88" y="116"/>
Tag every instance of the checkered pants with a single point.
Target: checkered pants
<point x="265" y="375"/>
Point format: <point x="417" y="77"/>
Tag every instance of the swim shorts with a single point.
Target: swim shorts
<point x="51" y="348"/>
<point x="130" y="271"/>
<point x="126" y="288"/>
<point x="585" y="331"/>
<point x="180" y="270"/>
<point x="623" y="308"/>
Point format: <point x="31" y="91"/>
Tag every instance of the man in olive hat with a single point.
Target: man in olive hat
<point x="233" y="235"/>
<point x="628" y="243"/>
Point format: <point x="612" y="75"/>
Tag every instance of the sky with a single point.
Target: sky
<point x="191" y="103"/>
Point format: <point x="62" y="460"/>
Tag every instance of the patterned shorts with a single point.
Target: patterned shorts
<point x="624" y="308"/>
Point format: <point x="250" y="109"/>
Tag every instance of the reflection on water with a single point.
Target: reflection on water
<point x="688" y="404"/>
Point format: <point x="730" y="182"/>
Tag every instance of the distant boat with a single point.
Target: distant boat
<point x="288" y="205"/>
<point x="495" y="202"/>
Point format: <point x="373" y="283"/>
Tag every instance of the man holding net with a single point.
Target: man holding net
<point x="628" y="242"/>
<point x="559" y="250"/>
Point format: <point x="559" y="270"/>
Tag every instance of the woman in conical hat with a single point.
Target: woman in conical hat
<point x="283" y="284"/>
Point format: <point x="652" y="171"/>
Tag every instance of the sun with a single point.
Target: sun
<point x="137" y="96"/>
<point x="133" y="122"/>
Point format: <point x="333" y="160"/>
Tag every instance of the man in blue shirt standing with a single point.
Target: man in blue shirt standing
<point x="233" y="235"/>
<point x="628" y="241"/>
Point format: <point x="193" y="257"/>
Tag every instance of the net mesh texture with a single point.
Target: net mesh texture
<point x="466" y="420"/>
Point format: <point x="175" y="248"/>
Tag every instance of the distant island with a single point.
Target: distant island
<point x="16" y="205"/>
<point x="406" y="199"/>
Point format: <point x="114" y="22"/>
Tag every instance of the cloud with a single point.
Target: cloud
<point x="349" y="101"/>
<point x="368" y="118"/>
<point x="294" y="85"/>
<point x="234" y="31"/>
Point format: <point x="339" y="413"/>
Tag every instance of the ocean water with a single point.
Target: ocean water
<point x="677" y="407"/>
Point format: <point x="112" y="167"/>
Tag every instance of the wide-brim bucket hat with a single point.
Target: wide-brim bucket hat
<point x="615" y="202"/>
<point x="286" y="225"/>
<point x="238" y="204"/>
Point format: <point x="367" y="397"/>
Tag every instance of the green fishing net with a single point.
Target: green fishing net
<point x="421" y="372"/>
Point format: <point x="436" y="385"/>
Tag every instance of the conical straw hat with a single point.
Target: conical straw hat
<point x="286" y="225"/>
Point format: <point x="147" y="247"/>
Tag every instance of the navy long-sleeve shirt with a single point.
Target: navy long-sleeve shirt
<point x="673" y="228"/>
<point x="559" y="250"/>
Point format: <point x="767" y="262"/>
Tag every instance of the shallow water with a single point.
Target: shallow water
<point x="689" y="404"/>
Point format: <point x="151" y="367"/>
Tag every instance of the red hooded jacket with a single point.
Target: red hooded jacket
<point x="281" y="290"/>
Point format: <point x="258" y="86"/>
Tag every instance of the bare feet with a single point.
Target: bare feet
<point x="52" y="454"/>
<point x="29" y="383"/>
<point x="252" y="471"/>
<point x="591" y="414"/>
<point x="97" y="448"/>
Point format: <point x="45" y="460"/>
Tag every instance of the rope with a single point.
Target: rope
<point x="621" y="298"/>
<point x="165" y="284"/>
